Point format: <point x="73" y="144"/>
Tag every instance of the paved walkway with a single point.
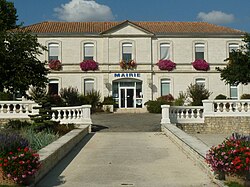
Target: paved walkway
<point x="139" y="159"/>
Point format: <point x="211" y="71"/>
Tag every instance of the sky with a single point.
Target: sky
<point x="229" y="13"/>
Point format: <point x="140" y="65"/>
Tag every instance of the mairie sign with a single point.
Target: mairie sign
<point x="127" y="75"/>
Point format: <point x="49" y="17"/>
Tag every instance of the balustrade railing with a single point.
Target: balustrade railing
<point x="77" y="114"/>
<point x="17" y="109"/>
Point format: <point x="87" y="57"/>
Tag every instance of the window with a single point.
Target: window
<point x="232" y="47"/>
<point x="127" y="51"/>
<point x="53" y="87"/>
<point x="88" y="86"/>
<point x="53" y="51"/>
<point x="200" y="81"/>
<point x="199" y="51"/>
<point x="88" y="51"/>
<point x="165" y="51"/>
<point x="165" y="87"/>
<point x="233" y="92"/>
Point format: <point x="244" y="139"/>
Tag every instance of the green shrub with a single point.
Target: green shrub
<point x="220" y="97"/>
<point x="93" y="99"/>
<point x="197" y="93"/>
<point x="180" y="99"/>
<point x="38" y="140"/>
<point x="245" y="96"/>
<point x="154" y="106"/>
<point x="6" y="96"/>
<point x="36" y="93"/>
<point x="70" y="96"/>
<point x="17" y="124"/>
<point x="108" y="101"/>
<point x="56" y="100"/>
<point x="166" y="99"/>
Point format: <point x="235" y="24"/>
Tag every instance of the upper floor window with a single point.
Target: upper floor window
<point x="88" y="85"/>
<point x="53" y="51"/>
<point x="200" y="81"/>
<point x="199" y="51"/>
<point x="232" y="47"/>
<point x="127" y="51"/>
<point x="165" y="87"/>
<point x="88" y="51"/>
<point x="165" y="51"/>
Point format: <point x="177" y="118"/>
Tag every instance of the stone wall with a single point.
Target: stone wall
<point x="219" y="125"/>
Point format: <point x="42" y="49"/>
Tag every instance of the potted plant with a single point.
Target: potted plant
<point x="200" y="64"/>
<point x="55" y="65"/>
<point x="108" y="104"/>
<point x="131" y="64"/>
<point x="87" y="65"/>
<point x="166" y="65"/>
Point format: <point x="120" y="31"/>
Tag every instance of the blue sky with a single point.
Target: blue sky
<point x="230" y="13"/>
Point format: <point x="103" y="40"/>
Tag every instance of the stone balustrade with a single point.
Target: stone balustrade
<point x="74" y="114"/>
<point x="23" y="109"/>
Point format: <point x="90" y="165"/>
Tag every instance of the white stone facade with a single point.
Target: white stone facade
<point x="146" y="52"/>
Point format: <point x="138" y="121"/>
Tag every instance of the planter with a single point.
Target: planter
<point x="108" y="108"/>
<point x="5" y="180"/>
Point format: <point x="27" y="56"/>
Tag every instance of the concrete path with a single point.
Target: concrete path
<point x="134" y="159"/>
<point x="121" y="122"/>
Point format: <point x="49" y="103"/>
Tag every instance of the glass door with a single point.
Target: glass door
<point x="127" y="97"/>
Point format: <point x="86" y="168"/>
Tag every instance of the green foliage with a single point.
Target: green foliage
<point x="70" y="96"/>
<point x="197" y="93"/>
<point x="237" y="69"/>
<point x="166" y="99"/>
<point x="245" y="96"/>
<point x="17" y="124"/>
<point x="220" y="97"/>
<point x="108" y="101"/>
<point x="38" y="140"/>
<point x="93" y="99"/>
<point x="36" y="93"/>
<point x="180" y="99"/>
<point x="6" y="96"/>
<point x="154" y="106"/>
<point x="8" y="16"/>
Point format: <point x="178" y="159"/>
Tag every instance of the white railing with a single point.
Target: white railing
<point x="77" y="114"/>
<point x="182" y="114"/>
<point x="226" y="107"/>
<point x="17" y="109"/>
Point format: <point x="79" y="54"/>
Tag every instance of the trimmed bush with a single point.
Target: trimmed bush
<point x="245" y="96"/>
<point x="154" y="106"/>
<point x="220" y="97"/>
<point x="197" y="93"/>
<point x="108" y="101"/>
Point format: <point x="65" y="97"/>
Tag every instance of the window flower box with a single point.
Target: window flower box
<point x="200" y="64"/>
<point x="166" y="65"/>
<point x="128" y="65"/>
<point x="87" y="65"/>
<point x="55" y="65"/>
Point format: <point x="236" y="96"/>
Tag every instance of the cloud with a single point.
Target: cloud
<point x="83" y="10"/>
<point x="216" y="17"/>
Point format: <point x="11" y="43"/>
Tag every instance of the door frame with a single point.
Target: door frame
<point x="126" y="95"/>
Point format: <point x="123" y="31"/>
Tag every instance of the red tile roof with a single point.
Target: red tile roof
<point x="154" y="27"/>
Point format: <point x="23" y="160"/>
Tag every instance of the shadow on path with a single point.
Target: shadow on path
<point x="54" y="174"/>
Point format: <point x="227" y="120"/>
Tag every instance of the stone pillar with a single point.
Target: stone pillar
<point x="165" y="114"/>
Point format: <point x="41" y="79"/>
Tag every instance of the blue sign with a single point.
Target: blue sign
<point x="127" y="75"/>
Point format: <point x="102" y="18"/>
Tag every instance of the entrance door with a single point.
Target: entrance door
<point x="127" y="97"/>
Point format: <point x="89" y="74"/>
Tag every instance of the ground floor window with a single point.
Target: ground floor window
<point x="200" y="81"/>
<point x="165" y="87"/>
<point x="53" y="87"/>
<point x="88" y="86"/>
<point x="233" y="92"/>
<point x="127" y="93"/>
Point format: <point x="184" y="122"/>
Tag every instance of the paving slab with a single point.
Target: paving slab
<point x="134" y="159"/>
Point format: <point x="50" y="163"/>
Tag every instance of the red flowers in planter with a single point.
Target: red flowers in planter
<point x="166" y="65"/>
<point x="200" y="64"/>
<point x="55" y="65"/>
<point x="87" y="65"/>
<point x="128" y="65"/>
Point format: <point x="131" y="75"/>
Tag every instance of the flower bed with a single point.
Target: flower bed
<point x="200" y="64"/>
<point x="128" y="65"/>
<point x="87" y="65"/>
<point x="166" y="65"/>
<point x="55" y="65"/>
<point x="231" y="157"/>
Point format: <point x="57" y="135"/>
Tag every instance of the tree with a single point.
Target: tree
<point x="238" y="68"/>
<point x="19" y="66"/>
<point x="197" y="93"/>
